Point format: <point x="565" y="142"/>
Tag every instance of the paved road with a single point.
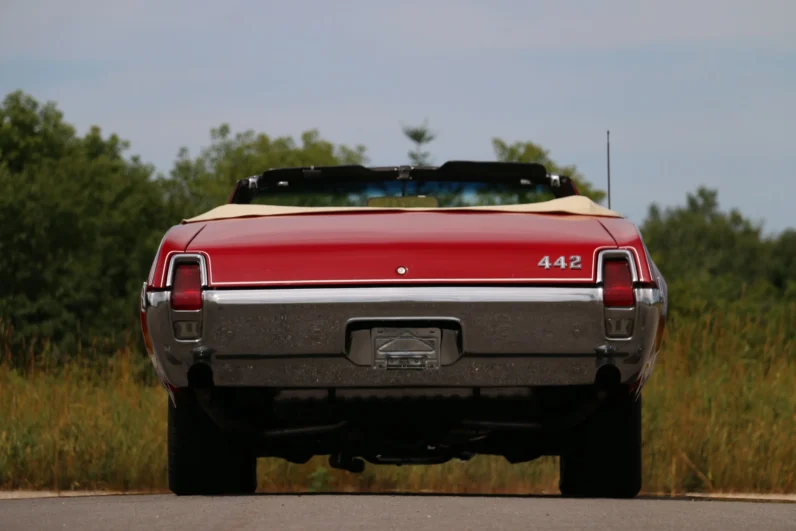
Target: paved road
<point x="380" y="512"/>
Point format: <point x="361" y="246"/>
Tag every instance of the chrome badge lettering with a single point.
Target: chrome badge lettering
<point x="561" y="262"/>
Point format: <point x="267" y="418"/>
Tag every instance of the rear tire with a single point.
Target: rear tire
<point x="604" y="459"/>
<point x="203" y="459"/>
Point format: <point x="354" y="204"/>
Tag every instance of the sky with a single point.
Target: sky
<point x="695" y="92"/>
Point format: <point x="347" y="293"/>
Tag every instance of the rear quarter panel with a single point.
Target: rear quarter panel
<point x="176" y="240"/>
<point x="627" y="236"/>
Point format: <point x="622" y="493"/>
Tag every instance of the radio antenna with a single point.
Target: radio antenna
<point x="608" y="159"/>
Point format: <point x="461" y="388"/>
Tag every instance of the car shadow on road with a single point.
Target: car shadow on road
<point x="464" y="495"/>
<point x="646" y="496"/>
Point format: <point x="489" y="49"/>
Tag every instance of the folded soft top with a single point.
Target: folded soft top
<point x="574" y="205"/>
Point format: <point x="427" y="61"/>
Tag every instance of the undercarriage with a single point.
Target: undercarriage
<point x="217" y="434"/>
<point x="403" y="425"/>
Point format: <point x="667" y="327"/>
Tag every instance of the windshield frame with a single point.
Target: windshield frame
<point x="514" y="175"/>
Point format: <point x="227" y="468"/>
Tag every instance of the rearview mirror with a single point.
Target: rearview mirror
<point x="412" y="201"/>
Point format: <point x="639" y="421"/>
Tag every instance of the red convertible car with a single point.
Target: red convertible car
<point x="404" y="315"/>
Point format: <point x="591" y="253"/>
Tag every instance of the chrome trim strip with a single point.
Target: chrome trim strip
<point x="473" y="294"/>
<point x="143" y="298"/>
<point x="177" y="258"/>
<point x="403" y="280"/>
<point x="614" y="253"/>
<point x="156" y="298"/>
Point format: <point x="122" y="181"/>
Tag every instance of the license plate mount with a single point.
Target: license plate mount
<point x="397" y="348"/>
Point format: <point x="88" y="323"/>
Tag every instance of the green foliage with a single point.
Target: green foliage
<point x="320" y="480"/>
<point x="712" y="258"/>
<point x="78" y="223"/>
<point x="420" y="135"/>
<point x="199" y="184"/>
<point x="31" y="133"/>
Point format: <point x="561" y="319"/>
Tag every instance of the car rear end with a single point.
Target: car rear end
<point x="407" y="334"/>
<point x="408" y="337"/>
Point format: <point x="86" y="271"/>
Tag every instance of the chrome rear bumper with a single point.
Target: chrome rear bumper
<point x="507" y="336"/>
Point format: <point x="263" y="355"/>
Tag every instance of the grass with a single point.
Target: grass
<point x="719" y="416"/>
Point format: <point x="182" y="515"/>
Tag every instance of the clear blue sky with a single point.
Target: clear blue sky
<point x="699" y="92"/>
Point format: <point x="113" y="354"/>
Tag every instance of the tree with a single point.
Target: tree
<point x="420" y="135"/>
<point x="199" y="184"/>
<point x="31" y="133"/>
<point x="79" y="224"/>
<point x="711" y="257"/>
<point x="530" y="152"/>
<point x="783" y="263"/>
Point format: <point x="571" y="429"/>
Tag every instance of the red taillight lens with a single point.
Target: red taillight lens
<point x="617" y="284"/>
<point x="186" y="293"/>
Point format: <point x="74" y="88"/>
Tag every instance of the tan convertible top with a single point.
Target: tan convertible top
<point x="576" y="205"/>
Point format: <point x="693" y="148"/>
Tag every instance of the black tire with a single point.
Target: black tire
<point x="202" y="459"/>
<point x="604" y="458"/>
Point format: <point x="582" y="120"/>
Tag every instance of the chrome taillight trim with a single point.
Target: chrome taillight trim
<point x="619" y="312"/>
<point x="617" y="253"/>
<point x="186" y="315"/>
<point x="143" y="305"/>
<point x="189" y="258"/>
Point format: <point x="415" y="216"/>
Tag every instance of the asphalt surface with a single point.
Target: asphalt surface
<point x="390" y="512"/>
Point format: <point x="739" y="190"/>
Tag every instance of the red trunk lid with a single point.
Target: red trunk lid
<point x="370" y="248"/>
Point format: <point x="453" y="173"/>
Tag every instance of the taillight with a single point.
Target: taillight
<point x="617" y="284"/>
<point x="186" y="292"/>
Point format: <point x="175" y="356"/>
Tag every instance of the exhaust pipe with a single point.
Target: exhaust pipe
<point x="200" y="376"/>
<point x="607" y="381"/>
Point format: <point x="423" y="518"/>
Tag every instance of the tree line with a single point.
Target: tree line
<point x="80" y="221"/>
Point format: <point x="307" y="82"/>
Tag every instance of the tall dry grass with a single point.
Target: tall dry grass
<point x="719" y="415"/>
